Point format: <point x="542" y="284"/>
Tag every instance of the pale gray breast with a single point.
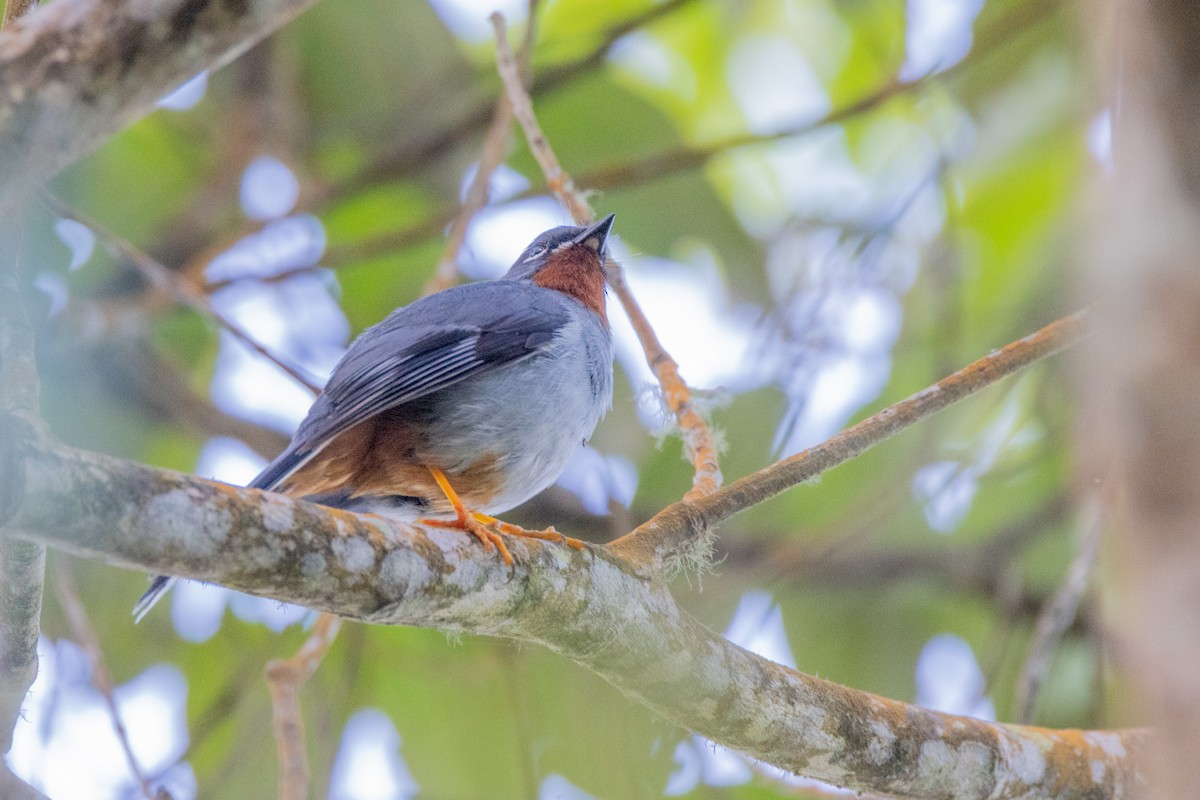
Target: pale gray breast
<point x="532" y="415"/>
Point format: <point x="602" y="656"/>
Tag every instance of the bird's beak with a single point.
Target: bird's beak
<point x="594" y="237"/>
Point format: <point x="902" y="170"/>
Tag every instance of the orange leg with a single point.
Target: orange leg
<point x="483" y="526"/>
<point x="549" y="535"/>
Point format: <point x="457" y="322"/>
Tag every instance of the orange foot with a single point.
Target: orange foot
<point x="485" y="528"/>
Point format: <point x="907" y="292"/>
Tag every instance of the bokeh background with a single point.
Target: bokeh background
<point x="823" y="205"/>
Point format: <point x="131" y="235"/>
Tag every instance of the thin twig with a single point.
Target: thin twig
<point x="178" y="289"/>
<point x="285" y="677"/>
<point x="1059" y="613"/>
<point x="85" y="636"/>
<point x="697" y="437"/>
<point x="492" y="156"/>
<point x="661" y="165"/>
<point x="683" y="521"/>
<point x="400" y="162"/>
<point x="556" y="178"/>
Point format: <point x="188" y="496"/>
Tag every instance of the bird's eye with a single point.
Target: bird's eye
<point x="537" y="252"/>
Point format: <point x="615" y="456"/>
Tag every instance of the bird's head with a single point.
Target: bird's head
<point x="569" y="260"/>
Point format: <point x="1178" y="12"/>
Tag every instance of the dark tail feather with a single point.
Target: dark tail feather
<point x="158" y="588"/>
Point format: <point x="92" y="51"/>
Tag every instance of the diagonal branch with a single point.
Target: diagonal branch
<point x="176" y="287"/>
<point x="495" y="144"/>
<point x="697" y="438"/>
<point x="1060" y="611"/>
<point x="578" y="605"/>
<point x="85" y="636"/>
<point x="399" y="162"/>
<point x="686" y="520"/>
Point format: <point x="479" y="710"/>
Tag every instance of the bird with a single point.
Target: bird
<point x="463" y="404"/>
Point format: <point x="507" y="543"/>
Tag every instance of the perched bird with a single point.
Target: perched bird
<point x="463" y="404"/>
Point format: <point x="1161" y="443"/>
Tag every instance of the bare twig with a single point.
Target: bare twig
<point x="85" y="636"/>
<point x="688" y="519"/>
<point x="399" y="162"/>
<point x="847" y="566"/>
<point x="662" y="165"/>
<point x="285" y="678"/>
<point x="697" y="437"/>
<point x="556" y="178"/>
<point x="1059" y="613"/>
<point x="492" y="155"/>
<point x="179" y="289"/>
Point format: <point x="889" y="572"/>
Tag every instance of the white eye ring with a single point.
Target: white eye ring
<point x="538" y="251"/>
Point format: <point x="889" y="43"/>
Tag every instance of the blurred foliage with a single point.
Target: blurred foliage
<point x="379" y="110"/>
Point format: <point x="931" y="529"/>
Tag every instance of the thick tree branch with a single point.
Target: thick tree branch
<point x="687" y="520"/>
<point x="74" y="72"/>
<point x="22" y="564"/>
<point x="1139" y="392"/>
<point x="586" y="606"/>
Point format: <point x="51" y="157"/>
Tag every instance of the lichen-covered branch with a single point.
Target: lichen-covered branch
<point x="589" y="607"/>
<point x="680" y="522"/>
<point x="74" y="72"/>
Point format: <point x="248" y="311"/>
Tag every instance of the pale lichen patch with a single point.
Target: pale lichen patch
<point x="355" y="555"/>
<point x="401" y="572"/>
<point x="1098" y="769"/>
<point x="1022" y="762"/>
<point x="312" y="565"/>
<point x="1107" y="741"/>
<point x="879" y="749"/>
<point x="176" y="517"/>
<point x="278" y="513"/>
<point x="936" y="762"/>
<point x="956" y="769"/>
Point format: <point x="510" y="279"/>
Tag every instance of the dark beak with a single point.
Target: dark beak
<point x="595" y="236"/>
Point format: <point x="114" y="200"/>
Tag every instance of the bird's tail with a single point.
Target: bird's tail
<point x="158" y="588"/>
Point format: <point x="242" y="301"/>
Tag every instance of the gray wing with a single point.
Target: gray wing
<point x="420" y="349"/>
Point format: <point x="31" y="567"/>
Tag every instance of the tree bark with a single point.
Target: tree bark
<point x="74" y="72"/>
<point x="1141" y="389"/>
